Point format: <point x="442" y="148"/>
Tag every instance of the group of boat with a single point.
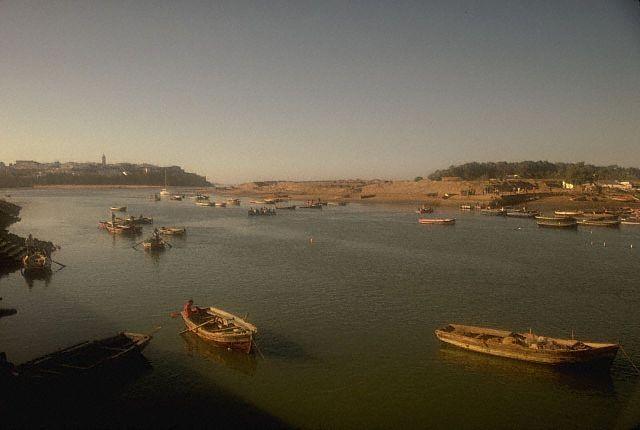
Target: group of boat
<point x="591" y="218"/>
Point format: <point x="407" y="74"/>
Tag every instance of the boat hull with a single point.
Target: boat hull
<point x="431" y="221"/>
<point x="602" y="355"/>
<point x="242" y="342"/>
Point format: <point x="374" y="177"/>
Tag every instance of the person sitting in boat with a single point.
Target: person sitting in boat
<point x="190" y="310"/>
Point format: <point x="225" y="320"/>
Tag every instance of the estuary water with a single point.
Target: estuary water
<point x="346" y="301"/>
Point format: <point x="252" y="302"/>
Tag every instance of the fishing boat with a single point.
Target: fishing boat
<point x="164" y="192"/>
<point x="367" y="196"/>
<point x="155" y="242"/>
<point x="221" y="328"/>
<point x="630" y="221"/>
<point x="444" y="221"/>
<point x="200" y="197"/>
<point x="176" y="197"/>
<point x="261" y="212"/>
<point x="221" y="204"/>
<point x="425" y="210"/>
<point x="556" y="222"/>
<point x="136" y="221"/>
<point x="527" y="346"/>
<point x="493" y="211"/>
<point x="174" y="231"/>
<point x="233" y="202"/>
<point x="599" y="222"/>
<point x="258" y="202"/>
<point x="522" y="213"/>
<point x="205" y="203"/>
<point x="36" y="262"/>
<point x="83" y="360"/>
<point x="466" y="207"/>
<point x="310" y="205"/>
<point x="118" y="208"/>
<point x="571" y="214"/>
<point x="130" y="229"/>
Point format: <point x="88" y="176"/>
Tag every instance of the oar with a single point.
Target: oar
<point x="154" y="331"/>
<point x="134" y="246"/>
<point x="170" y="246"/>
<point x="198" y="326"/>
<point x="257" y="348"/>
<point x="61" y="265"/>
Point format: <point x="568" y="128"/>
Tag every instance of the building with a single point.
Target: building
<point x="104" y="161"/>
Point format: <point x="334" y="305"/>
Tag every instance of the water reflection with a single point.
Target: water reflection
<point x="586" y="379"/>
<point x="243" y="363"/>
<point x="31" y="277"/>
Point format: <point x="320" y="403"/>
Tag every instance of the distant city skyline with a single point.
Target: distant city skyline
<point x="241" y="91"/>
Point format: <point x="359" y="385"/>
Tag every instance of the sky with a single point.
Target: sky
<point x="241" y="91"/>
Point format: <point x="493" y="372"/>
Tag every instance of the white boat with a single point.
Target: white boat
<point x="205" y="203"/>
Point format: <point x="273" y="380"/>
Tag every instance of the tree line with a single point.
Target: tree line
<point x="578" y="172"/>
<point x="184" y="179"/>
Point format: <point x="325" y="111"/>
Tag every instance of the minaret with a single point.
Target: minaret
<point x="104" y="161"/>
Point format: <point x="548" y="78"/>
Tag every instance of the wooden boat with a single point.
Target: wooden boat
<point x="630" y="221"/>
<point x="425" y="210"/>
<point x="527" y="346"/>
<point x="522" y="213"/>
<point x="130" y="229"/>
<point x="233" y="202"/>
<point x="258" y="202"/>
<point x="571" y="214"/>
<point x="164" y="192"/>
<point x="444" y="221"/>
<point x="556" y="222"/>
<point x="599" y="222"/>
<point x="221" y="204"/>
<point x="118" y="208"/>
<point x="5" y="312"/>
<point x="261" y="212"/>
<point x="466" y="207"/>
<point x="36" y="262"/>
<point x="221" y="328"/>
<point x="200" y="197"/>
<point x="176" y="197"/>
<point x="138" y="221"/>
<point x="367" y="196"/>
<point x="175" y="231"/>
<point x="311" y="206"/>
<point x="84" y="359"/>
<point x="493" y="211"/>
<point x="205" y="203"/>
<point x="154" y="243"/>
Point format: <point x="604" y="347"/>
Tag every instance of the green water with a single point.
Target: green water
<point x="345" y="322"/>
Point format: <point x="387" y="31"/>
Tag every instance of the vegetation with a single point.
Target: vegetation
<point x="578" y="172"/>
<point x="155" y="178"/>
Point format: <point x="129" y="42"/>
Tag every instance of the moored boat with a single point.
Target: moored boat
<point x="522" y="214"/>
<point x="630" y="221"/>
<point x="84" y="359"/>
<point x="527" y="346"/>
<point x="118" y="208"/>
<point x="221" y="204"/>
<point x="493" y="211"/>
<point x="205" y="203"/>
<point x="425" y="210"/>
<point x="233" y="202"/>
<point x="570" y="214"/>
<point x="444" y="221"/>
<point x="556" y="222"/>
<point x="221" y="328"/>
<point x="599" y="222"/>
<point x="175" y="231"/>
<point x="466" y="207"/>
<point x="176" y="197"/>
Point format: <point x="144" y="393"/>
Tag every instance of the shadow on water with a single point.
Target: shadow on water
<point x="276" y="345"/>
<point x="31" y="278"/>
<point x="243" y="363"/>
<point x="578" y="378"/>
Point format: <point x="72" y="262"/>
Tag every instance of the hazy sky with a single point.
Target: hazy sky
<point x="305" y="90"/>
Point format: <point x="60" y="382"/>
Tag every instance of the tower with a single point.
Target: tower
<point x="104" y="161"/>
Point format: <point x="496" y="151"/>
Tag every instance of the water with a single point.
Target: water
<point x="346" y="321"/>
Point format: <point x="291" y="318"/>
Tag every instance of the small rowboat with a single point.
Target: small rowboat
<point x="131" y="229"/>
<point x="221" y="328"/>
<point x="205" y="203"/>
<point x="443" y="221"/>
<point x="568" y="213"/>
<point x="493" y="211"/>
<point x="118" y="208"/>
<point x="36" y="262"/>
<point x="82" y="360"/>
<point x="221" y="204"/>
<point x="466" y="207"/>
<point x="630" y="221"/>
<point x="175" y="231"/>
<point x="312" y="206"/>
<point x="176" y="197"/>
<point x="556" y="222"/>
<point x="600" y="222"/>
<point x="522" y="213"/>
<point x="527" y="346"/>
<point x="233" y="202"/>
